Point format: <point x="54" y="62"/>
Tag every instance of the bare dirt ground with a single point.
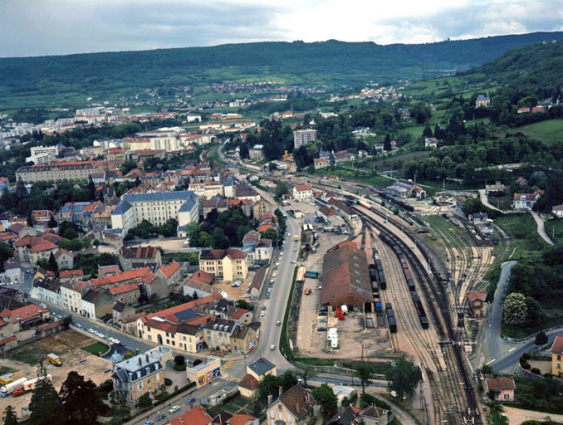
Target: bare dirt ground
<point x="517" y="416"/>
<point x="235" y="293"/>
<point x="65" y="344"/>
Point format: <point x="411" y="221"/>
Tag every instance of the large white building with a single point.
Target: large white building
<point x="156" y="208"/>
<point x="43" y="154"/>
<point x="302" y="137"/>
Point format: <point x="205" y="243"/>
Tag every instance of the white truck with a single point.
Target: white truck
<point x="8" y="389"/>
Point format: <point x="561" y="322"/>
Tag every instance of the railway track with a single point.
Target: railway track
<point x="465" y="409"/>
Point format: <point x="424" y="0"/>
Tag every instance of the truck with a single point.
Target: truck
<point x="312" y="274"/>
<point x="28" y="386"/>
<point x="54" y="359"/>
<point x="8" y="389"/>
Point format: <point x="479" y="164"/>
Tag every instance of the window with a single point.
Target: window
<point x="506" y="396"/>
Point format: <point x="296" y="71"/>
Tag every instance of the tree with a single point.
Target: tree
<point x="514" y="310"/>
<point x="305" y="372"/>
<point x="179" y="360"/>
<point x="363" y="372"/>
<point x="473" y="206"/>
<point x="128" y="166"/>
<point x="281" y="189"/>
<point x="45" y="406"/>
<point x="10" y="417"/>
<point x="29" y="220"/>
<point x="67" y="321"/>
<point x="91" y="188"/>
<point x="81" y="402"/>
<point x="387" y="143"/>
<point x="53" y="266"/>
<point x="52" y="223"/>
<point x="541" y="338"/>
<point x="144" y="402"/>
<point x="269" y="385"/>
<point x="427" y="132"/>
<point x="6" y="252"/>
<point x="287" y="380"/>
<point x="324" y="395"/>
<point x="219" y="240"/>
<point x="96" y="243"/>
<point x="403" y="377"/>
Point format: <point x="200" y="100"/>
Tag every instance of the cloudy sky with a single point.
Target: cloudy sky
<point x="49" y="27"/>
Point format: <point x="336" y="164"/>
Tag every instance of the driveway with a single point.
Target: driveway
<point x="485" y="201"/>
<point x="541" y="228"/>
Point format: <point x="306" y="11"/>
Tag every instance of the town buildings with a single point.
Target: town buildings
<point x="525" y="201"/>
<point x="206" y="372"/>
<point x="477" y="303"/>
<point x="302" y="192"/>
<point x="483" y="101"/>
<point x="224" y="264"/>
<point x="57" y="171"/>
<point x="501" y="389"/>
<point x="156" y="208"/>
<point x="139" y="375"/>
<point x="302" y="137"/>
<point x="295" y="406"/>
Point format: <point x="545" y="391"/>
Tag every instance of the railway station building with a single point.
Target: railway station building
<point x="346" y="277"/>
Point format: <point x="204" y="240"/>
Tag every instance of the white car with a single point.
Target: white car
<point x="246" y="296"/>
<point x="274" y="274"/>
<point x="262" y="313"/>
<point x="273" y="347"/>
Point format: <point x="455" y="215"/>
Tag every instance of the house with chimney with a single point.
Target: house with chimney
<point x="295" y="406"/>
<point x="135" y="257"/>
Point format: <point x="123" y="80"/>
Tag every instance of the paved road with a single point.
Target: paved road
<point x="493" y="346"/>
<point x="485" y="201"/>
<point x="501" y="354"/>
<point x="541" y="228"/>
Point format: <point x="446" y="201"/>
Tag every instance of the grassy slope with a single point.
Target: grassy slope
<point x="550" y="132"/>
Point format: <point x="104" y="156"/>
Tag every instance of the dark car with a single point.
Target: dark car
<point x="160" y="418"/>
<point x="190" y="400"/>
<point x="323" y="313"/>
<point x="321" y="329"/>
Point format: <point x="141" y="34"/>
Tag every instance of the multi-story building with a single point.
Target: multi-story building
<point x="257" y="152"/>
<point x="138" y="376"/>
<point x="96" y="304"/>
<point x="43" y="154"/>
<point x="71" y="295"/>
<point x="302" y="137"/>
<point x="243" y="339"/>
<point x="302" y="192"/>
<point x="130" y="255"/>
<point x="224" y="264"/>
<point x="525" y="201"/>
<point x="321" y="163"/>
<point x="295" y="406"/>
<point x="57" y="171"/>
<point x="47" y="289"/>
<point x="128" y="293"/>
<point x="156" y="208"/>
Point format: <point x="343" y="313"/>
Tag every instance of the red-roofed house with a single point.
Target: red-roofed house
<point x="25" y="317"/>
<point x="71" y="275"/>
<point x="195" y="416"/>
<point x="171" y="273"/>
<point x="477" y="303"/>
<point x="525" y="201"/>
<point x="240" y="419"/>
<point x="8" y="343"/>
<point x="557" y="210"/>
<point x="501" y="389"/>
<point x="64" y="259"/>
<point x="248" y="386"/>
<point x="302" y="192"/>
<point x="557" y="356"/>
<point x="126" y="293"/>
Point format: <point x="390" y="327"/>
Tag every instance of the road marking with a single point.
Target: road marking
<point x="227" y="365"/>
<point x="491" y="361"/>
<point x="512" y="349"/>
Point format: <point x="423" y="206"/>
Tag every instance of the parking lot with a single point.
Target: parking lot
<point x="67" y="345"/>
<point x="235" y="292"/>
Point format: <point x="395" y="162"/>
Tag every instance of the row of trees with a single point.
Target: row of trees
<point x="79" y="401"/>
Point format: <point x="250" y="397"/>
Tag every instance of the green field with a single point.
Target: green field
<point x="95" y="348"/>
<point x="523" y="229"/>
<point x="550" y="132"/>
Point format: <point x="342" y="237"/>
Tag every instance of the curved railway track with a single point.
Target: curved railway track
<point x="466" y="408"/>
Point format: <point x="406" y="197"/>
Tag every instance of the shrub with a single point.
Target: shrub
<point x="179" y="367"/>
<point x="541" y="338"/>
<point x="536" y="371"/>
<point x="525" y="365"/>
<point x="167" y="382"/>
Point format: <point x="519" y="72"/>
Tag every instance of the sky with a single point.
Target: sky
<point x="55" y="27"/>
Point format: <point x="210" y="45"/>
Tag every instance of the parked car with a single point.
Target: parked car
<point x="278" y="322"/>
<point x="190" y="400"/>
<point x="246" y="296"/>
<point x="262" y="313"/>
<point x="173" y="409"/>
<point x="160" y="417"/>
<point x="321" y="329"/>
<point x="149" y="423"/>
<point x="292" y="261"/>
<point x="263" y="307"/>
<point x="323" y="320"/>
<point x="323" y="313"/>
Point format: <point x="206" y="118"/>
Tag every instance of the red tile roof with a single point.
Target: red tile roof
<point x="27" y="312"/>
<point x="81" y="286"/>
<point x="7" y="340"/>
<point x="121" y="289"/>
<point x="122" y="277"/>
<point x="70" y="273"/>
<point x="202" y="277"/>
<point x="170" y="269"/>
<point x="303" y="187"/>
<point x="240" y="419"/>
<point x="475" y="295"/>
<point x="239" y="313"/>
<point x="249" y="382"/>
<point x="557" y="346"/>
<point x="197" y="416"/>
<point x="501" y="384"/>
<point x="185" y="306"/>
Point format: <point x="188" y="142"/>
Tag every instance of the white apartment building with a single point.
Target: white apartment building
<point x="302" y="137"/>
<point x="156" y="208"/>
<point x="43" y="154"/>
